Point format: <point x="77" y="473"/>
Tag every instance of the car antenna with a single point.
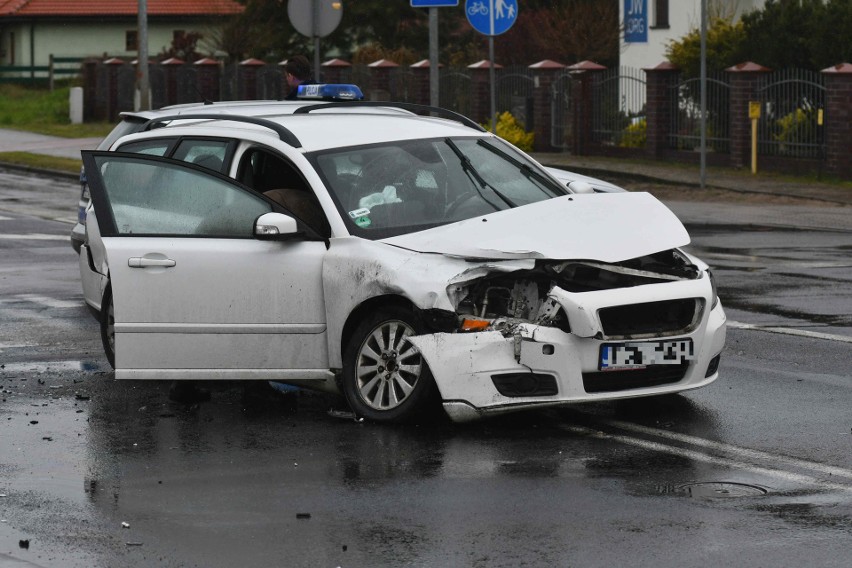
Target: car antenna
<point x="204" y="99"/>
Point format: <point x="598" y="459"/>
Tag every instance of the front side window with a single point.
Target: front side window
<point x="155" y="197"/>
<point x="390" y="189"/>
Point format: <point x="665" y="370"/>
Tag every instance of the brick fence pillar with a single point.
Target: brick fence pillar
<point x="335" y="71"/>
<point x="661" y="98"/>
<point x="745" y="79"/>
<point x="838" y="120"/>
<point x="112" y="65"/>
<point x="247" y="73"/>
<point x="170" y="68"/>
<point x="480" y="101"/>
<point x="544" y="74"/>
<point x="421" y="82"/>
<point x="586" y="72"/>
<point x="380" y="79"/>
<point x="208" y="78"/>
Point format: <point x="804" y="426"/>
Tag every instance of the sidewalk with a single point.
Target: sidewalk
<point x="689" y="175"/>
<point x="835" y="215"/>
<point x="19" y="141"/>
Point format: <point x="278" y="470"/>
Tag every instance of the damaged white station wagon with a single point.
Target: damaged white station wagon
<point x="398" y="258"/>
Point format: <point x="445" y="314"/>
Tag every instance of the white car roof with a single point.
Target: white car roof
<point x="319" y="130"/>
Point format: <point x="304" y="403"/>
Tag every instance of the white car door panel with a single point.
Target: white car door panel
<point x="189" y="305"/>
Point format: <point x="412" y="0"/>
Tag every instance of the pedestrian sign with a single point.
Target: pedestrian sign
<point x="491" y="17"/>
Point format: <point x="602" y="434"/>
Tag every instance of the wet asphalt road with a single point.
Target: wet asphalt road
<point x="755" y="470"/>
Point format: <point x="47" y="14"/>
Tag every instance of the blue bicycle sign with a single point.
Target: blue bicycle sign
<point x="491" y="17"/>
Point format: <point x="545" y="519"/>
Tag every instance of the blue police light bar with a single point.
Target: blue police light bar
<point x="330" y="92"/>
<point x="434" y="3"/>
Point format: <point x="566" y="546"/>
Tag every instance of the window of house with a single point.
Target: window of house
<point x="131" y="40"/>
<point x="661" y="14"/>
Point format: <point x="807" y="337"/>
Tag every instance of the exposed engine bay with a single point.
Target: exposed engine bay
<point x="500" y="300"/>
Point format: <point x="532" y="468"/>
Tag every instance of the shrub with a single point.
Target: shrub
<point x="511" y="131"/>
<point x="635" y="135"/>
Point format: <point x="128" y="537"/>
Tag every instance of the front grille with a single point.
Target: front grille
<point x="651" y="318"/>
<point x="650" y="376"/>
<point x="525" y="384"/>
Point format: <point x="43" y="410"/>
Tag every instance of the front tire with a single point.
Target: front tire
<point x="108" y="326"/>
<point x="385" y="378"/>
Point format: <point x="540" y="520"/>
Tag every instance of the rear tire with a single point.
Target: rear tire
<point x="385" y="378"/>
<point x="108" y="326"/>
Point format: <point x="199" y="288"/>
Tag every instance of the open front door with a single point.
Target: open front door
<point x="195" y="294"/>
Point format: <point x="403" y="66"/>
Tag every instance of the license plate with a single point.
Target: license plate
<point x="639" y="354"/>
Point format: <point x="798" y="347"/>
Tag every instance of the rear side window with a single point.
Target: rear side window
<point x="209" y="154"/>
<point x="130" y="125"/>
<point x="158" y="147"/>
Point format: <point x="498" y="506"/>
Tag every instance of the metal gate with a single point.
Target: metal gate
<point x="515" y="95"/>
<point x="685" y="115"/>
<point x="564" y="111"/>
<point x="618" y="108"/>
<point x="792" y="103"/>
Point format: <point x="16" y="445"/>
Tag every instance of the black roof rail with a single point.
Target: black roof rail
<point x="411" y="107"/>
<point x="283" y="133"/>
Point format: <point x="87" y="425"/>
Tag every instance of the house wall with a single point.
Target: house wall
<point x="684" y="15"/>
<point x="33" y="43"/>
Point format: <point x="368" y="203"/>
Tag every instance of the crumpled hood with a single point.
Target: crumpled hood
<point x="603" y="227"/>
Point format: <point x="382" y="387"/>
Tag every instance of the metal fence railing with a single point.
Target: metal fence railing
<point x="514" y="93"/>
<point x="618" y="108"/>
<point x="792" y="101"/>
<point x="562" y="112"/>
<point x="685" y="115"/>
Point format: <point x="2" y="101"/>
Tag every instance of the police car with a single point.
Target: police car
<point x="394" y="253"/>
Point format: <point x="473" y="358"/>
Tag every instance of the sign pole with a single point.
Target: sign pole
<point x="434" y="90"/>
<point x="315" y="24"/>
<point x="703" y="83"/>
<point x="491" y="20"/>
<point x="493" y="80"/>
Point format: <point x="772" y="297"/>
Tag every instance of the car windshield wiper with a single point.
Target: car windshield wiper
<point x="477" y="178"/>
<point x="526" y="170"/>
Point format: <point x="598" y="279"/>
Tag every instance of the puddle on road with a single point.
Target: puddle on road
<point x="719" y="490"/>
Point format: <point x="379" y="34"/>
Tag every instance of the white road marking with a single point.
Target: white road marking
<point x="715" y="460"/>
<point x="741" y="452"/>
<point x="34" y="237"/>
<point x="2" y="218"/>
<point x="790" y="331"/>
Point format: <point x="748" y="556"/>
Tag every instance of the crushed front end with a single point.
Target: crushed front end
<point x="574" y="331"/>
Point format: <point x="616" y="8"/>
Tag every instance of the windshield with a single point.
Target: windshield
<point x="392" y="189"/>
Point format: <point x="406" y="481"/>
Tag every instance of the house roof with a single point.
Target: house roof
<point x="102" y="8"/>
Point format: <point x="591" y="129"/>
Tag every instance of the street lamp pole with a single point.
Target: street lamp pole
<point x="703" y="93"/>
<point x="142" y="56"/>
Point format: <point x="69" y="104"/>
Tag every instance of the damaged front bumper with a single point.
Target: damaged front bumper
<point x="533" y="365"/>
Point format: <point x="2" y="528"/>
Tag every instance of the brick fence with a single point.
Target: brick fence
<point x="562" y="102"/>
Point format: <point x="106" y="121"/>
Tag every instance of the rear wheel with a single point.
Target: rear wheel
<point x="384" y="376"/>
<point x="108" y="326"/>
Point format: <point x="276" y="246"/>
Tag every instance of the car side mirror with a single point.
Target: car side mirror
<point x="274" y="226"/>
<point x="579" y="186"/>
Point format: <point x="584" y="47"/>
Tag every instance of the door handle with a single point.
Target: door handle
<point x="143" y="262"/>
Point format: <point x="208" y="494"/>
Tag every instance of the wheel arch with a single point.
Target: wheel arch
<point x="367" y="306"/>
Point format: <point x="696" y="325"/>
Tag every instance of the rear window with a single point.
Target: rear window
<point x="128" y="125"/>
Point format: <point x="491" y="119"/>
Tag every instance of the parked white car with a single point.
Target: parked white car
<point x="398" y="259"/>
